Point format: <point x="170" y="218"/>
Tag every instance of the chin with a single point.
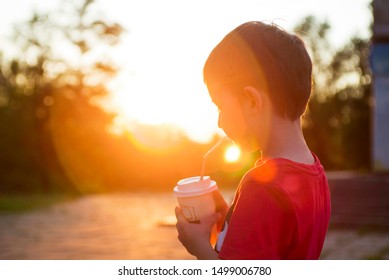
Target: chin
<point x="245" y="145"/>
<point x="249" y="149"/>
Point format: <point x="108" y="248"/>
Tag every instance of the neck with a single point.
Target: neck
<point x="286" y="140"/>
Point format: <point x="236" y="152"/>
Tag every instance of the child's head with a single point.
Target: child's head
<point x="267" y="58"/>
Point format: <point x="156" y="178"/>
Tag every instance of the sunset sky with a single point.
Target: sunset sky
<point x="167" y="42"/>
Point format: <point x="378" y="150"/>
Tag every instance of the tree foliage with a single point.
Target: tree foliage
<point x="337" y="122"/>
<point x="37" y="80"/>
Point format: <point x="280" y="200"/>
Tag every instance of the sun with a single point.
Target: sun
<point x="232" y="153"/>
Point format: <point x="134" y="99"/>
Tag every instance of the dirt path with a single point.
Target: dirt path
<point x="132" y="226"/>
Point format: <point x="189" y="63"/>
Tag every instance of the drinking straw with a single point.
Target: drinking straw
<point x="207" y="153"/>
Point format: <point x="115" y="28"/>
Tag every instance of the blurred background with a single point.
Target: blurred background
<point x="103" y="109"/>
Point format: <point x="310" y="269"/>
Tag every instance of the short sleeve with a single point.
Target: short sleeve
<point x="262" y="225"/>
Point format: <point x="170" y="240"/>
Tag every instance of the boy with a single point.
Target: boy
<point x="259" y="76"/>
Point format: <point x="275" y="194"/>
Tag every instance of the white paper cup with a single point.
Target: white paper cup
<point x="195" y="197"/>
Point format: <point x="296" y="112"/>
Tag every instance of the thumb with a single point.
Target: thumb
<point x="213" y="219"/>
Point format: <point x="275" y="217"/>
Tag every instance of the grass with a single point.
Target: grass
<point x="26" y="203"/>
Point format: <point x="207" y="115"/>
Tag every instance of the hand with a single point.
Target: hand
<point x="221" y="207"/>
<point x="195" y="237"/>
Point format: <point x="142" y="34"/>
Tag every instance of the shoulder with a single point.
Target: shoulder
<point x="281" y="171"/>
<point x="261" y="189"/>
<point x="282" y="180"/>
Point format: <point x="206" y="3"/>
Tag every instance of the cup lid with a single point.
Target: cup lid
<point x="193" y="186"/>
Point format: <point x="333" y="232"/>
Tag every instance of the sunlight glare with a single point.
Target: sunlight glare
<point x="232" y="154"/>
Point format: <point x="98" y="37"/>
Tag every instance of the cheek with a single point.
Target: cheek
<point x="234" y="125"/>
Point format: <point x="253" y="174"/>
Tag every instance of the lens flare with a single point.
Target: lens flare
<point x="232" y="154"/>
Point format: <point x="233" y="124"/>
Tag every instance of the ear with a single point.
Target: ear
<point x="254" y="99"/>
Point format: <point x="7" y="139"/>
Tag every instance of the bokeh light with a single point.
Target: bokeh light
<point x="232" y="153"/>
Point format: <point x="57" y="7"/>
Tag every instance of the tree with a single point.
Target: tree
<point x="55" y="65"/>
<point x="337" y="122"/>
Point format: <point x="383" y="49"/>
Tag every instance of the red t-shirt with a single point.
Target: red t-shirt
<point x="281" y="210"/>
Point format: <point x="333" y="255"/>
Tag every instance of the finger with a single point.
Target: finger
<point x="178" y="223"/>
<point x="220" y="203"/>
<point x="217" y="217"/>
<point x="179" y="215"/>
<point x="220" y="222"/>
<point x="217" y="196"/>
<point x="213" y="219"/>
